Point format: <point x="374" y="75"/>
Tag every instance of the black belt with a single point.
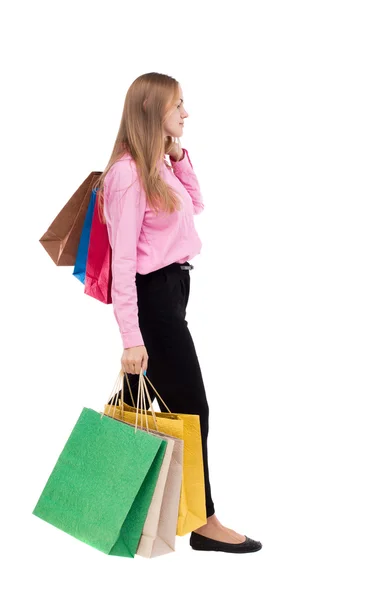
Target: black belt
<point x="171" y="267"/>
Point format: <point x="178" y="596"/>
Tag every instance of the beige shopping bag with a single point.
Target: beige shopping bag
<point x="159" y="531"/>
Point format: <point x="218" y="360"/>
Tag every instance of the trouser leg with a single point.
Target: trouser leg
<point x="173" y="366"/>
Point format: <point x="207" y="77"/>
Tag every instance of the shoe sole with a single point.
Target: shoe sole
<point x="229" y="550"/>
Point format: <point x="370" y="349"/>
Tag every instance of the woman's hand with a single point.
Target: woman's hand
<point x="134" y="360"/>
<point x="175" y="150"/>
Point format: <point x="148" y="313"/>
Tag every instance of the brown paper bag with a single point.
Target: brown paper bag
<point x="62" y="238"/>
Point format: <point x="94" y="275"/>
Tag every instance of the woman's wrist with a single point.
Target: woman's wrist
<point x="178" y="159"/>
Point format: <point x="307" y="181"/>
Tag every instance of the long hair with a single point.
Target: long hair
<point x="149" y="101"/>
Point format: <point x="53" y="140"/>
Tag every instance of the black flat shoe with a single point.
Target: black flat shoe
<point x="200" y="542"/>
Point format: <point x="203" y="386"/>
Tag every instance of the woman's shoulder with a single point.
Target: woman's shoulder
<point x="124" y="161"/>
<point x="121" y="177"/>
<point x="125" y="157"/>
<point x="124" y="165"/>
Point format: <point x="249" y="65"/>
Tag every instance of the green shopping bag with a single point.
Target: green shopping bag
<point x="102" y="485"/>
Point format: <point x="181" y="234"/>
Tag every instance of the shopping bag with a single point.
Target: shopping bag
<point x="62" y="238"/>
<point x="98" y="280"/>
<point x="102" y="485"/>
<point x="82" y="252"/>
<point x="159" y="531"/>
<point x="192" y="505"/>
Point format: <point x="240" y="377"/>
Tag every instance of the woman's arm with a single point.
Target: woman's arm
<point x="183" y="169"/>
<point x="124" y="212"/>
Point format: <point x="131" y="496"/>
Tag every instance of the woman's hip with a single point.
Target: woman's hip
<point x="163" y="294"/>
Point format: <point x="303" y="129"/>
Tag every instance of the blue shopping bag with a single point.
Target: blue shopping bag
<point x="82" y="252"/>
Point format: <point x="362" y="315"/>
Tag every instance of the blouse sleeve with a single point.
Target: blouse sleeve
<point x="124" y="212"/>
<point x="184" y="171"/>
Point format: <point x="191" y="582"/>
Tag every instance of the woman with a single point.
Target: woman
<point x="148" y="207"/>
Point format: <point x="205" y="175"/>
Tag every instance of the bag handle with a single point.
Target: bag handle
<point x="119" y="397"/>
<point x="141" y="389"/>
<point x="141" y="379"/>
<point x="118" y="402"/>
<point x="157" y="393"/>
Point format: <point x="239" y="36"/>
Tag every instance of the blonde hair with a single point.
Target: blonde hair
<point x="149" y="101"/>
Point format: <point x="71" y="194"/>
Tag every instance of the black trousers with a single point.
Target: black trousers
<point x="173" y="366"/>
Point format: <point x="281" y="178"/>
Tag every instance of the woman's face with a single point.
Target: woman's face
<point x="174" y="123"/>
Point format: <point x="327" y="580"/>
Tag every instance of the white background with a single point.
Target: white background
<point x="287" y="133"/>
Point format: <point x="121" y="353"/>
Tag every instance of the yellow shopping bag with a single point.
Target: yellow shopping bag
<point x="192" y="505"/>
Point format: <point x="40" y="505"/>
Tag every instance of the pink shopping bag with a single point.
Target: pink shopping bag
<point x="98" y="279"/>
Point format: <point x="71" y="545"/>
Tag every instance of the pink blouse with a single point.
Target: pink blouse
<point x="142" y="242"/>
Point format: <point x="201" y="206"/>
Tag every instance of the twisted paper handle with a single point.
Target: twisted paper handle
<point x="118" y="399"/>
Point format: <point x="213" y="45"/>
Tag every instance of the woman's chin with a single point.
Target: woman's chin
<point x="178" y="134"/>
